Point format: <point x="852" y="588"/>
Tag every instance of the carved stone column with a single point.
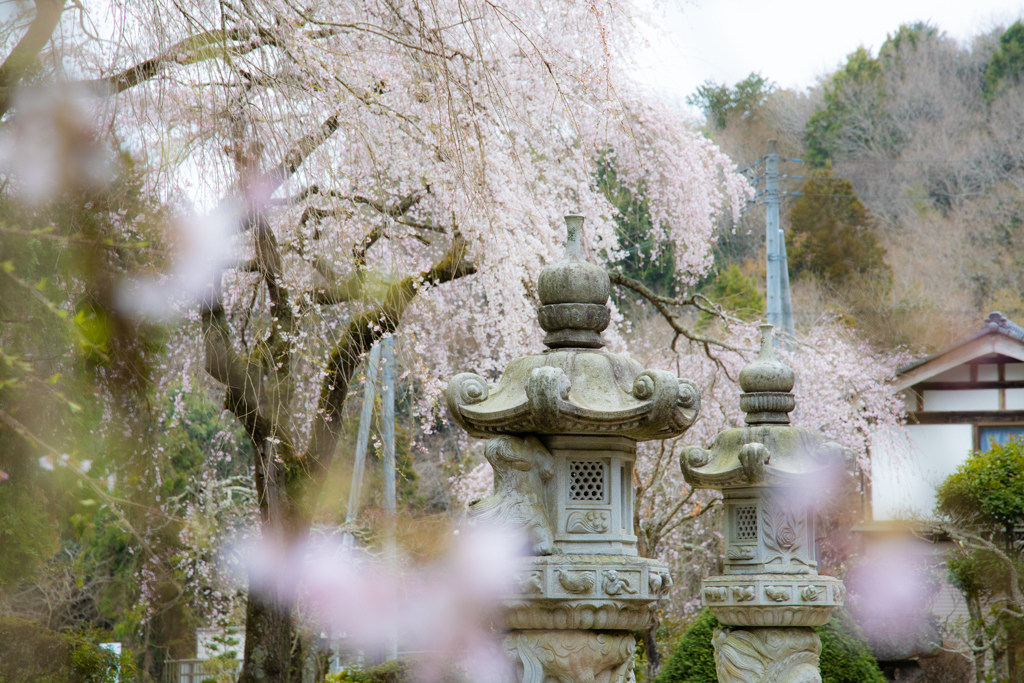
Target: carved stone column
<point x="562" y="428"/>
<point x="771" y="476"/>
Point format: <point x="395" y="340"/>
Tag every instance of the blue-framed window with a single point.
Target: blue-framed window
<point x="1000" y="434"/>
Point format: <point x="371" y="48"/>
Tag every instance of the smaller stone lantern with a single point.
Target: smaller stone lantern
<point x="772" y="477"/>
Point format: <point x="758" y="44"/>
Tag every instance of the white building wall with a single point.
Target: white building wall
<point x="1015" y="399"/>
<point x="1014" y="371"/>
<point x="961" y="399"/>
<point x="906" y="472"/>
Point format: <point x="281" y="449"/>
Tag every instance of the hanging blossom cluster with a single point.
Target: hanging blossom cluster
<point x="474" y="119"/>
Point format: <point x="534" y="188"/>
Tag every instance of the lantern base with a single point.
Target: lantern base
<point x="767" y="655"/>
<point x="540" y="656"/>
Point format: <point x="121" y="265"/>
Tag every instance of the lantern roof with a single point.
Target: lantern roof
<point x="768" y="451"/>
<point x="575" y="387"/>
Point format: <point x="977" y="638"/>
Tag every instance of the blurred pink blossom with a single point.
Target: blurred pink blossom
<point x="442" y="612"/>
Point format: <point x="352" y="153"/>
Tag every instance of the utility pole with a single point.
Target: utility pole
<point x="369" y="393"/>
<point x="780" y="302"/>
<point x="387" y="430"/>
<point x="380" y="352"/>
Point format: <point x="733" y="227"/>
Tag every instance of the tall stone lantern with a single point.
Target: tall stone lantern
<point x="772" y="477"/>
<point x="562" y="428"/>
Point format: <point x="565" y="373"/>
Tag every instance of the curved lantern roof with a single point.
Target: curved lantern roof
<point x="768" y="451"/>
<point x="575" y="387"/>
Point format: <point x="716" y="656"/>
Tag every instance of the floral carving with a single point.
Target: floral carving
<point x="589" y="522"/>
<point x="784" y="533"/>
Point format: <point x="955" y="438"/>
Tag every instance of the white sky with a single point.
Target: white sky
<point x="791" y="42"/>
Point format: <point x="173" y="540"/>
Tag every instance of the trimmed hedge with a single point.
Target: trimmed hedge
<point x="845" y="656"/>
<point x="30" y="652"/>
<point x="395" y="671"/>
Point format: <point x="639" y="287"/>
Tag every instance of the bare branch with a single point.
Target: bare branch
<point x="362" y="333"/>
<point x="663" y="305"/>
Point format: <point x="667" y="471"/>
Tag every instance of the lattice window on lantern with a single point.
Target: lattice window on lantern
<point x="745" y="522"/>
<point x="586" y="480"/>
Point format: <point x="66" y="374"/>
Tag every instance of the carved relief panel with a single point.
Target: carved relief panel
<point x="591" y="501"/>
<point x="768" y="530"/>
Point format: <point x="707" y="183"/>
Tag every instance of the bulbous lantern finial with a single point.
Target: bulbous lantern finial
<point x="574" y="296"/>
<point x="767" y="384"/>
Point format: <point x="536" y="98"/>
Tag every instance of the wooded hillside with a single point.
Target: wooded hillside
<point x="914" y="155"/>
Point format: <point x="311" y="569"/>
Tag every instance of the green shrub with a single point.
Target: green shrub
<point x="693" y="660"/>
<point x="845" y="656"/>
<point x="395" y="671"/>
<point x="29" y="652"/>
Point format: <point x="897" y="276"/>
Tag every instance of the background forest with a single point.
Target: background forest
<point x="901" y="186"/>
<point x="143" y="441"/>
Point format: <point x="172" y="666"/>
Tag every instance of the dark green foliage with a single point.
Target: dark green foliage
<point x="655" y="268"/>
<point x="1006" y="68"/>
<point x="720" y="103"/>
<point x="907" y="37"/>
<point x="853" y="92"/>
<point x="845" y="656"/>
<point x="30" y="653"/>
<point x="985" y="496"/>
<point x="982" y="503"/>
<point x="693" y="660"/>
<point x="830" y="232"/>
<point x="735" y="293"/>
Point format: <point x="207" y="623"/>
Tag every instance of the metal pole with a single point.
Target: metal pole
<point x="365" y="417"/>
<point x="773" y="254"/>
<point x="787" y="298"/>
<point x="390" y="493"/>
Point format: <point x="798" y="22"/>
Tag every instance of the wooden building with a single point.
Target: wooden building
<point x="958" y="401"/>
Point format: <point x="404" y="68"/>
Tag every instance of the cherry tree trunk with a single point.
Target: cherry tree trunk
<point x="269" y="634"/>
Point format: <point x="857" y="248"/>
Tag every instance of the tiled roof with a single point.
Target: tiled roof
<point x="995" y="323"/>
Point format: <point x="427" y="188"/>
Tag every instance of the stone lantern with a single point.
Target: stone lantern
<point x="772" y="477"/>
<point x="562" y="428"/>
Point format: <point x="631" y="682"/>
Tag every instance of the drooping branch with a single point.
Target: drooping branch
<point x="664" y="306"/>
<point x="364" y="330"/>
<point x="243" y="379"/>
<point x="13" y="69"/>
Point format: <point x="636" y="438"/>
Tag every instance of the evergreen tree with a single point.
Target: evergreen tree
<point x="830" y="232"/>
<point x="1006" y="68"/>
<point x="720" y="103"/>
<point x="853" y="92"/>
